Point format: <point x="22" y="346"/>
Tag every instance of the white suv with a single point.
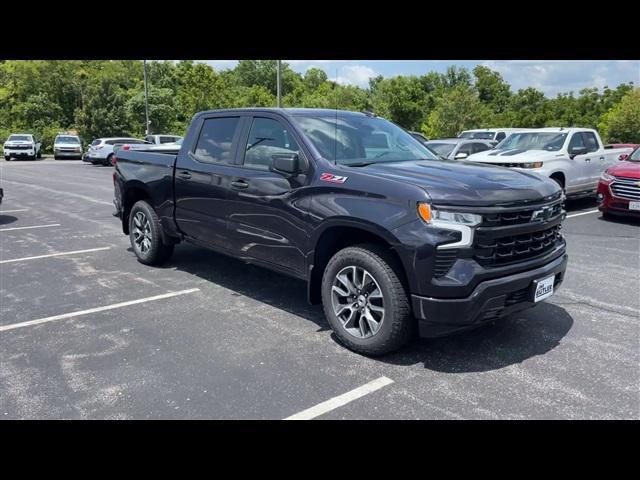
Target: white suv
<point x="67" y="146"/>
<point x="101" y="149"/>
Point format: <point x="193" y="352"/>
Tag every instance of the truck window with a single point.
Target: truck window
<point x="590" y="141"/>
<point x="577" y="141"/>
<point x="500" y="136"/>
<point x="167" y="139"/>
<point x="266" y="138"/>
<point x="479" y="147"/>
<point x="216" y="139"/>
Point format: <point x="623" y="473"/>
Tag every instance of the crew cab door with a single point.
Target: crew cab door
<point x="598" y="162"/>
<point x="266" y="214"/>
<point x="580" y="166"/>
<point x="202" y="179"/>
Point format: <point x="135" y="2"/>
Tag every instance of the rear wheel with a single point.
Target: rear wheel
<point x="145" y="233"/>
<point x="109" y="161"/>
<point x="365" y="301"/>
<point x="39" y="153"/>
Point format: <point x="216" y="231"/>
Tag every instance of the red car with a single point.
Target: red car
<point x="619" y="187"/>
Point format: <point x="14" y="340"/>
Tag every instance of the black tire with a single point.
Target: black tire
<point x="397" y="325"/>
<point x="108" y="161"/>
<point x="157" y="252"/>
<point x="7" y="159"/>
<point x="40" y="154"/>
<point x="55" y="157"/>
<point x="560" y="182"/>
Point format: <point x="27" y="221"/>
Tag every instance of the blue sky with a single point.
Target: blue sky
<point x="549" y="76"/>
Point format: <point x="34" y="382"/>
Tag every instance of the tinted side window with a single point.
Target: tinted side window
<point x="96" y="142"/>
<point x="216" y="139"/>
<point x="467" y="148"/>
<point x="590" y="141"/>
<point x="576" y="141"/>
<point x="499" y="137"/>
<point x="167" y="139"/>
<point x="480" y="147"/>
<point x="266" y="138"/>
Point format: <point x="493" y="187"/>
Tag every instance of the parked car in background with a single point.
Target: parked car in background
<point x="101" y="149"/>
<point x="458" y="148"/>
<point x="389" y="241"/>
<point x="147" y="147"/>
<point x="21" y="145"/>
<point x="623" y="156"/>
<point x="67" y="146"/>
<point x="573" y="157"/>
<point x="418" y="136"/>
<point x="160" y="139"/>
<point x="619" y="187"/>
<point x="492" y="134"/>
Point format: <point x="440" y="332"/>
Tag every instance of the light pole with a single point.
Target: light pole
<point x="279" y="82"/>
<point x="146" y="101"/>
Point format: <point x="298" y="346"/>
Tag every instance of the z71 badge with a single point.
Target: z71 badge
<point x="330" y="177"/>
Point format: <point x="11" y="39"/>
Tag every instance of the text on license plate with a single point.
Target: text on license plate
<point x="544" y="288"/>
<point x="634" y="205"/>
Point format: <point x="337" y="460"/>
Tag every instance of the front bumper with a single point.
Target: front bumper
<point x="608" y="203"/>
<point x="18" y="153"/>
<point x="67" y="154"/>
<point x="490" y="300"/>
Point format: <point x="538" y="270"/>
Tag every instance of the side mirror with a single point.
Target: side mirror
<point x="288" y="164"/>
<point x="573" y="152"/>
<point x="461" y="156"/>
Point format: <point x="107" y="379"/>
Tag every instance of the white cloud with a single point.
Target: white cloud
<point x="221" y="64"/>
<point x="358" y="75"/>
<point x="555" y="76"/>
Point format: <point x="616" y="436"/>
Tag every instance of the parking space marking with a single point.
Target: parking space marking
<point x="32" y="226"/>
<point x="2" y="212"/>
<point x="59" y="192"/>
<point x="582" y="213"/>
<point x="341" y="400"/>
<point x="54" y="255"/>
<point x="65" y="316"/>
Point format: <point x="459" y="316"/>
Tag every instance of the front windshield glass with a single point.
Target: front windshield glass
<point x="635" y="156"/>
<point x="478" y="135"/>
<point x="67" y="139"/>
<point x="550" y="141"/>
<point x="355" y="140"/>
<point x="443" y="149"/>
<point x="18" y="138"/>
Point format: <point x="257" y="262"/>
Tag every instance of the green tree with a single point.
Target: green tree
<point x="622" y="123"/>
<point x="460" y="109"/>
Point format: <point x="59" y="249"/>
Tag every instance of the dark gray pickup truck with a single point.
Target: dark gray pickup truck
<point x="391" y="239"/>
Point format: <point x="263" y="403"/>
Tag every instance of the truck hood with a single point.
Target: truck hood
<point x="625" y="169"/>
<point x="516" y="155"/>
<point x="466" y="183"/>
<point x="16" y="143"/>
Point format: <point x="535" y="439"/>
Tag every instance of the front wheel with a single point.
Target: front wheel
<point x="145" y="233"/>
<point x="365" y="301"/>
<point x="39" y="154"/>
<point x="7" y="159"/>
<point x="109" y="160"/>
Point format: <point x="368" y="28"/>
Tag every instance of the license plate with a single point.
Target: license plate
<point x="634" y="205"/>
<point x="544" y="288"/>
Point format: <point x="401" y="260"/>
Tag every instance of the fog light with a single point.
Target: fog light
<point x="600" y="198"/>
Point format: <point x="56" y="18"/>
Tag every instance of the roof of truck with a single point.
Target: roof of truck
<point x="563" y="129"/>
<point x="323" y="112"/>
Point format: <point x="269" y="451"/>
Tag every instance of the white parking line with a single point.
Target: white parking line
<point x="32" y="226"/>
<point x="64" y="316"/>
<point x="54" y="255"/>
<point x="582" y="213"/>
<point x="2" y="212"/>
<point x="341" y="400"/>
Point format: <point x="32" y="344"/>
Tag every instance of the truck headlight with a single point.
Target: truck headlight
<point x="462" y="222"/>
<point x="532" y="165"/>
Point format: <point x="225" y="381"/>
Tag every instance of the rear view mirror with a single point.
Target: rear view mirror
<point x="461" y="156"/>
<point x="286" y="163"/>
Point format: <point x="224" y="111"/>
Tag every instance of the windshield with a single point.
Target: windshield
<point x="17" y="138"/>
<point x="355" y="140"/>
<point x="67" y="139"/>
<point x="443" y="149"/>
<point x="635" y="156"/>
<point x="549" y="141"/>
<point x="478" y="135"/>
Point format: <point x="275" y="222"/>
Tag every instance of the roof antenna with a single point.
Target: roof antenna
<point x="335" y="131"/>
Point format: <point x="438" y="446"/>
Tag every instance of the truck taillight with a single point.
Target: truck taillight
<point x="126" y="147"/>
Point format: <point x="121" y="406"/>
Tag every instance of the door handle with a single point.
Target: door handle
<point x="240" y="184"/>
<point x="185" y="175"/>
<point x="587" y="159"/>
<point x="601" y="158"/>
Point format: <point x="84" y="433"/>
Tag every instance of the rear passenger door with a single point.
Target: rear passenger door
<point x="266" y="216"/>
<point x="581" y="169"/>
<point x="598" y="162"/>
<point x="203" y="177"/>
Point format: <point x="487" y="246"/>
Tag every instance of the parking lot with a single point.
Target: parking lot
<point x="88" y="332"/>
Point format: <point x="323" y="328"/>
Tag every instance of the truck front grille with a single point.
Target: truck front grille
<point x="491" y="252"/>
<point x="628" y="188"/>
<point x="517" y="217"/>
<point x="20" y="147"/>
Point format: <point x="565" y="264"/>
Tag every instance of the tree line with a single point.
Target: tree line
<point x="101" y="98"/>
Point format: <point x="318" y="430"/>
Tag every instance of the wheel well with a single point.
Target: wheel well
<point x="336" y="238"/>
<point x="132" y="195"/>
<point x="558" y="177"/>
